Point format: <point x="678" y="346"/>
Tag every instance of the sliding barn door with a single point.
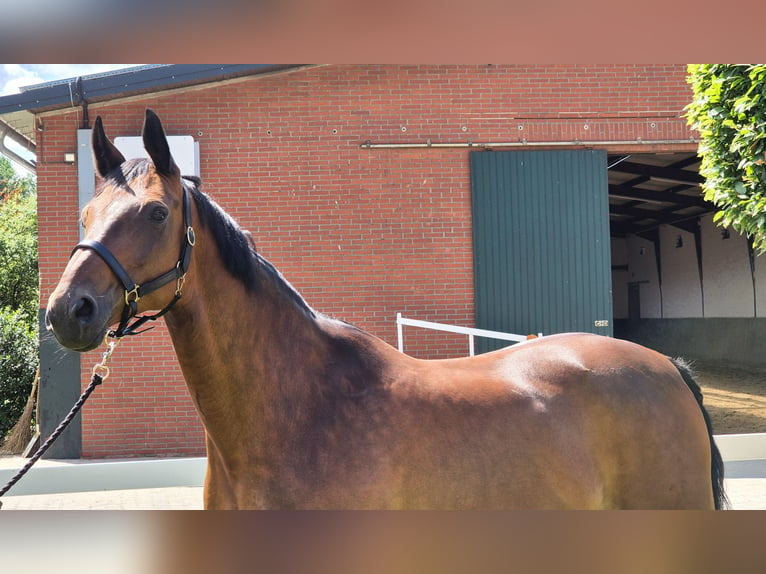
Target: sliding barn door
<point x="541" y="242"/>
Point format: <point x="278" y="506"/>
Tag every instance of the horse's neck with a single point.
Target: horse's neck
<point x="242" y="351"/>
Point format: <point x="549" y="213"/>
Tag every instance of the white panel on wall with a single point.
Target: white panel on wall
<point x="728" y="283"/>
<point x="642" y="269"/>
<point x="681" y="290"/>
<point x="184" y="149"/>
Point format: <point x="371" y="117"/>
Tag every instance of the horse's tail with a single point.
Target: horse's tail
<point x="716" y="471"/>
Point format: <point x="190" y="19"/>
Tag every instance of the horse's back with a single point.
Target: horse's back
<point x="571" y="420"/>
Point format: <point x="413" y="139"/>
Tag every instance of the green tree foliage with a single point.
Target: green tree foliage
<point x="19" y="293"/>
<point x="18" y="363"/>
<point x="12" y="184"/>
<point x="729" y="111"/>
<point x="19" y="288"/>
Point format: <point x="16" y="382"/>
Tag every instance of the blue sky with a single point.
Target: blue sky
<point x="13" y="76"/>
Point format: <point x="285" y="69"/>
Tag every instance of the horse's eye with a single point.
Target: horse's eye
<point x="158" y="214"/>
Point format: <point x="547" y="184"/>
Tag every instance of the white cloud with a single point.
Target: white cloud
<point x="14" y="76"/>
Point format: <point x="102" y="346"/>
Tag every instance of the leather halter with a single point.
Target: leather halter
<point x="134" y="292"/>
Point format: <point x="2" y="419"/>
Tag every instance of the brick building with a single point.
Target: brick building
<point x="356" y="182"/>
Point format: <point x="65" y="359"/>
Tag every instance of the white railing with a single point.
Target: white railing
<point x="471" y="332"/>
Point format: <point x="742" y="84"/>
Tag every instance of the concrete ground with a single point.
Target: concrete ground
<point x="745" y="486"/>
<point x="167" y="498"/>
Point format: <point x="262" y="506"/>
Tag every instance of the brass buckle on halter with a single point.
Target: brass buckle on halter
<point x="134" y="293"/>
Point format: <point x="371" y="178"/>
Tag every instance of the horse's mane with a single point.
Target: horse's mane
<point x="236" y="247"/>
<point x="350" y="374"/>
<point x="125" y="173"/>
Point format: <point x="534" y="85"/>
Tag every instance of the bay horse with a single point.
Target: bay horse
<point x="304" y="411"/>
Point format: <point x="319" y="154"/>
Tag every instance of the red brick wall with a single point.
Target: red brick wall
<point x="361" y="233"/>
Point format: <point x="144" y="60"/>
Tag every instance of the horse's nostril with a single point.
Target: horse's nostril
<point x="84" y="309"/>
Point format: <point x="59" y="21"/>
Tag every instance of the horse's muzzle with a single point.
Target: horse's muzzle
<point x="77" y="320"/>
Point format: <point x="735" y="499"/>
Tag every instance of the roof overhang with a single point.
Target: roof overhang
<point x="8" y="132"/>
<point x="18" y="111"/>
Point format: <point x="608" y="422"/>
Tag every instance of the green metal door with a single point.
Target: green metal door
<point x="541" y="242"/>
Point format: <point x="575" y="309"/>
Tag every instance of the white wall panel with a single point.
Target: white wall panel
<point x="728" y="283"/>
<point x="681" y="290"/>
<point x="642" y="269"/>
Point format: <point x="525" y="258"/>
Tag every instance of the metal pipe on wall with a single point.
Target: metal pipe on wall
<point x="523" y="143"/>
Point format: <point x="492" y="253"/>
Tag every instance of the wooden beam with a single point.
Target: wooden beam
<point x="659" y="172"/>
<point x="627" y="192"/>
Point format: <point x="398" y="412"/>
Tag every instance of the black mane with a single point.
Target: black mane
<point x="125" y="173"/>
<point x="236" y="247"/>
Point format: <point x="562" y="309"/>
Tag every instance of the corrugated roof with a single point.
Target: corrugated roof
<point x="91" y="76"/>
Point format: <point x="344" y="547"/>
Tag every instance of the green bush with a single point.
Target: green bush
<point x="18" y="253"/>
<point x="18" y="364"/>
<point x="19" y="293"/>
<point x="729" y="111"/>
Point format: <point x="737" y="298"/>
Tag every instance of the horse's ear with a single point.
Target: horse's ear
<point x="156" y="145"/>
<point x="106" y="157"/>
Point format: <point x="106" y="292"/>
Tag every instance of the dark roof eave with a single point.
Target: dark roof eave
<point x="129" y="83"/>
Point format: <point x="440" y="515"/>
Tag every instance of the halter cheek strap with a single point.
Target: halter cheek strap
<point x="133" y="291"/>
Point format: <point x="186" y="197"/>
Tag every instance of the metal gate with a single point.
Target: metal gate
<point x="541" y="242"/>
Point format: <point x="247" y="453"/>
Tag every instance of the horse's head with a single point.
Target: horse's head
<point x="135" y="227"/>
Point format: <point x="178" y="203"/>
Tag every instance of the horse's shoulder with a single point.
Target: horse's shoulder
<point x="353" y="359"/>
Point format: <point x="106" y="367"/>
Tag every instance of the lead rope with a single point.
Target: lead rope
<point x="100" y="374"/>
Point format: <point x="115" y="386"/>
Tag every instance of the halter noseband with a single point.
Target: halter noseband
<point x="134" y="292"/>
